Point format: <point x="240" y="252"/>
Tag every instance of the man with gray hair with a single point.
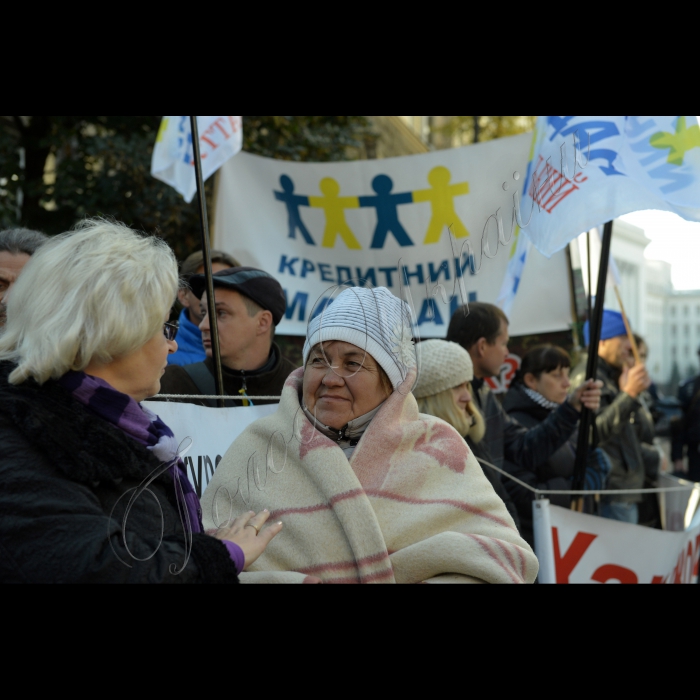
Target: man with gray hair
<point x="17" y="245"/>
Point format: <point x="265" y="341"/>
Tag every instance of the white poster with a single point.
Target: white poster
<point x="207" y="432"/>
<point x="588" y="549"/>
<point x="388" y="222"/>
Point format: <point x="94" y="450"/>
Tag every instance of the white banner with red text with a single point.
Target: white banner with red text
<point x="577" y="548"/>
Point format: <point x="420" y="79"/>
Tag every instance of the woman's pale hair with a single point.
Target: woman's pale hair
<point x="442" y="405"/>
<point x="98" y="292"/>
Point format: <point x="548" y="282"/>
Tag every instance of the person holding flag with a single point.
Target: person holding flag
<point x="623" y="385"/>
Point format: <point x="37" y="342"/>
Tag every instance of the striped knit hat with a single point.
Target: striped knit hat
<point x="374" y="320"/>
<point x="443" y="365"/>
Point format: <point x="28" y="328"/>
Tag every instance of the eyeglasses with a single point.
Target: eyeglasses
<point x="170" y="330"/>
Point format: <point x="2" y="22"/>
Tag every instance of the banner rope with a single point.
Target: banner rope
<point x="610" y="492"/>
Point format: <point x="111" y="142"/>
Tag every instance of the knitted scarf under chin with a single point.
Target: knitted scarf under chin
<point x="539" y="399"/>
<point x="140" y="424"/>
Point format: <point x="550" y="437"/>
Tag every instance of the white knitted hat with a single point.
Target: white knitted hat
<point x="443" y="365"/>
<point x="374" y="320"/>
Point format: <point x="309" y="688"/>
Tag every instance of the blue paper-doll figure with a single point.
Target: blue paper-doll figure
<point x="387" y="217"/>
<point x="293" y="202"/>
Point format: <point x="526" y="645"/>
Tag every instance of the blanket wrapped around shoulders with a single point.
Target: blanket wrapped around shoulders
<point x="412" y="504"/>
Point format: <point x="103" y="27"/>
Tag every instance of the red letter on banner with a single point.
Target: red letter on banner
<point x="605" y="573"/>
<point x="566" y="564"/>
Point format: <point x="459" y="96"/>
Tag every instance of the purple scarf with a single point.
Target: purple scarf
<point x="142" y="425"/>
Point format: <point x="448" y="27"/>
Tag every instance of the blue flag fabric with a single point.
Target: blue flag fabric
<point x="585" y="171"/>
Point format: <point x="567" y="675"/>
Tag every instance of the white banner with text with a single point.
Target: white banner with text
<point x="437" y="226"/>
<point x="208" y="432"/>
<point x="577" y="548"/>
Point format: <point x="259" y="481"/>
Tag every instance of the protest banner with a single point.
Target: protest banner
<point x="316" y="225"/>
<point x="576" y="548"/>
<point x="209" y="431"/>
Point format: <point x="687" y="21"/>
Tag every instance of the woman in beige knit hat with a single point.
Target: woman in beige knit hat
<point x="443" y="389"/>
<point x="369" y="489"/>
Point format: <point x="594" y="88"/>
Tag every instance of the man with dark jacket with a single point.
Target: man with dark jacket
<point x="686" y="431"/>
<point x="615" y="421"/>
<point x="482" y="330"/>
<point x="249" y="305"/>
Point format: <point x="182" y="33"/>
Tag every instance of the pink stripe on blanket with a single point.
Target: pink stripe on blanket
<point x="508" y="553"/>
<point x="319" y="506"/>
<point x="378" y="493"/>
<point x="492" y="555"/>
<point x="335" y="566"/>
<point x="364" y="579"/>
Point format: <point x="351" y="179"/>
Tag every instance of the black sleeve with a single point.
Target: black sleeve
<point x="55" y="530"/>
<point x="530" y="448"/>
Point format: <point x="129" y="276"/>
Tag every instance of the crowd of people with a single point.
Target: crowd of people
<point x="388" y="459"/>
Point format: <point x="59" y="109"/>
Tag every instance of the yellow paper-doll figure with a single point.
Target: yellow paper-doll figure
<point x="441" y="197"/>
<point x="334" y="208"/>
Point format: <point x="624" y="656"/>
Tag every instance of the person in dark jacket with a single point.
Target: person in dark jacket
<point x="443" y="389"/>
<point x="686" y="431"/>
<point x="92" y="487"/>
<point x="190" y="348"/>
<point x="632" y="460"/>
<point x="539" y="387"/>
<point x="249" y="305"/>
<point x="482" y="330"/>
<point x="648" y="508"/>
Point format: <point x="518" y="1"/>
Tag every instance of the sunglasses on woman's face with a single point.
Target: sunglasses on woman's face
<point x="170" y="330"/>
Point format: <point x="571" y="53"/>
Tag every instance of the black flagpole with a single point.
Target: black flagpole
<point x="211" y="301"/>
<point x="594" y="326"/>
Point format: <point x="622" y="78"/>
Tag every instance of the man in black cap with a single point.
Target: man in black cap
<point x="249" y="305"/>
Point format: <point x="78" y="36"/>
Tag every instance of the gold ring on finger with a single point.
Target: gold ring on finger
<point x="257" y="529"/>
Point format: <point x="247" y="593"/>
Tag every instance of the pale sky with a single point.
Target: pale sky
<point x="674" y="240"/>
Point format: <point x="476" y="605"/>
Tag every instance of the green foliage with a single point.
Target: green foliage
<point x="465" y="130"/>
<point x="95" y="165"/>
<point x="311" y="139"/>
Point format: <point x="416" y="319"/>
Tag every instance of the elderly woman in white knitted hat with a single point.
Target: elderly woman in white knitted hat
<point x="370" y="490"/>
<point x="443" y="389"/>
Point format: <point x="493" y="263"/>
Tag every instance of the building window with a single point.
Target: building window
<point x="673" y="353"/>
<point x="697" y="310"/>
<point x="685" y="310"/>
<point x="673" y="329"/>
<point x="685" y="351"/>
<point x="686" y="330"/>
<point x="673" y="311"/>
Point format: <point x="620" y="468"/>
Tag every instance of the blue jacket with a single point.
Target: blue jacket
<point x="189" y="343"/>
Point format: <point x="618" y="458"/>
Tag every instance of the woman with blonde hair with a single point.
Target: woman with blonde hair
<point x="443" y="389"/>
<point x="92" y="487"/>
<point x="371" y="490"/>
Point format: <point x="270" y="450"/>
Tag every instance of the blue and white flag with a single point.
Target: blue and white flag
<point x="220" y="138"/>
<point x="585" y="171"/>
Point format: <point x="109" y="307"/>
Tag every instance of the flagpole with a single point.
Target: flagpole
<point x="594" y="325"/>
<point x="211" y="301"/>
<point x="630" y="335"/>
